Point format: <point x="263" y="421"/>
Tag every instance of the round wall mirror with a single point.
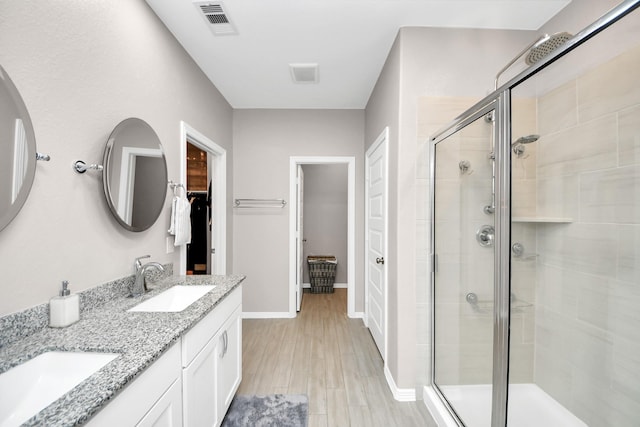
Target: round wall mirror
<point x="135" y="174"/>
<point x="18" y="151"/>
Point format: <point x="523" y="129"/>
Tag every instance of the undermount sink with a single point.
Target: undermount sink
<point x="30" y="387"/>
<point x="176" y="298"/>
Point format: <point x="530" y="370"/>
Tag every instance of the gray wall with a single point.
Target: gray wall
<point x="325" y="215"/>
<point x="81" y="68"/>
<point x="264" y="141"/>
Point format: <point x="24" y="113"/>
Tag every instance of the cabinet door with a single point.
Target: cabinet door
<point x="229" y="356"/>
<point x="199" y="388"/>
<point x="167" y="412"/>
<point x="133" y="403"/>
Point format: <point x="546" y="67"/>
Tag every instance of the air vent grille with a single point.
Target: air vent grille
<point x="304" y="73"/>
<point x="211" y="8"/>
<point x="217" y="19"/>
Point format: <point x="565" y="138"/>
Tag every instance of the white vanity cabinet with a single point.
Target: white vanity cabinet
<point x="193" y="383"/>
<point x="153" y="399"/>
<point x="212" y="363"/>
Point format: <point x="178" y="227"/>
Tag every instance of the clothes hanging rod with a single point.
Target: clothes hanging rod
<point x="259" y="203"/>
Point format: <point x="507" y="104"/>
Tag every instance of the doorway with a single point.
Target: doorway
<point x="199" y="172"/>
<point x="296" y="257"/>
<point x="203" y="169"/>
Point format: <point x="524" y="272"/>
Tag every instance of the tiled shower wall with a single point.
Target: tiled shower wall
<point x="587" y="331"/>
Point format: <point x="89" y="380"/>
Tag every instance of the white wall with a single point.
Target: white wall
<point x="81" y="68"/>
<point x="325" y="215"/>
<point x="264" y="140"/>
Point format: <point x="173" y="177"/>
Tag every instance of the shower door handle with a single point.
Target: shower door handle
<point x="380" y="260"/>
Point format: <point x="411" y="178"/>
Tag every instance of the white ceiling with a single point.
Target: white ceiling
<point x="349" y="39"/>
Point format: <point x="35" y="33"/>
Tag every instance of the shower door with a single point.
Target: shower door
<point x="463" y="231"/>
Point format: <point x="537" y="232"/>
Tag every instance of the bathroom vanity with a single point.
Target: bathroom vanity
<point x="172" y="368"/>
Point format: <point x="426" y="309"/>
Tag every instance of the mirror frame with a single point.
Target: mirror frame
<point x="107" y="173"/>
<point x="30" y="169"/>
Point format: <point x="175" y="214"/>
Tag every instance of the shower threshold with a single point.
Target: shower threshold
<point x="529" y="406"/>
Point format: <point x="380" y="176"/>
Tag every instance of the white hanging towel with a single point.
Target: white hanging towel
<point x="180" y="220"/>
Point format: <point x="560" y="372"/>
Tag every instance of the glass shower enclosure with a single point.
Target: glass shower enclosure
<point x="535" y="195"/>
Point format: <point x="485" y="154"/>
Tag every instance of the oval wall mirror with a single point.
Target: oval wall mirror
<point x="18" y="151"/>
<point x="135" y="174"/>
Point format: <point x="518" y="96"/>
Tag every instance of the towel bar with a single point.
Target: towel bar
<point x="259" y="203"/>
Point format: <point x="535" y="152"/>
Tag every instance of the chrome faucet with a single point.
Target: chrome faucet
<point x="140" y="283"/>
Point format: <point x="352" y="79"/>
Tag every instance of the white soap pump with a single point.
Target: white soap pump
<point x="64" y="309"/>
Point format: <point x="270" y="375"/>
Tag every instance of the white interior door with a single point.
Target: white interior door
<point x="299" y="235"/>
<point x="376" y="241"/>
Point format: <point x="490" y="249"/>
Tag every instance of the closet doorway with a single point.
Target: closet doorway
<point x="199" y="172"/>
<point x="203" y="165"/>
<point x="297" y="252"/>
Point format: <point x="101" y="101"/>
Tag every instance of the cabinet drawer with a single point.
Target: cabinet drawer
<point x="201" y="333"/>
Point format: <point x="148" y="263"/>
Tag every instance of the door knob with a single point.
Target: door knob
<point x="380" y="260"/>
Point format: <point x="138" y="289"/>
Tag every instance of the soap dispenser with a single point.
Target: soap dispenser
<point x="64" y="309"/>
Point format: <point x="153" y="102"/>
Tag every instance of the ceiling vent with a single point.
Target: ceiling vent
<point x="304" y="73"/>
<point x="217" y="19"/>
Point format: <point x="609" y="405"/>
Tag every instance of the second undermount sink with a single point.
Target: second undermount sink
<point x="33" y="385"/>
<point x="176" y="298"/>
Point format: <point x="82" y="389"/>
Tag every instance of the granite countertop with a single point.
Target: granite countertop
<point x="139" y="337"/>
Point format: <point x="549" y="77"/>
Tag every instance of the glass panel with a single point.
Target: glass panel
<point x="463" y="285"/>
<point x="575" y="285"/>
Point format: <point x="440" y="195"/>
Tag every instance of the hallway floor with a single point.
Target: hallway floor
<point x="329" y="357"/>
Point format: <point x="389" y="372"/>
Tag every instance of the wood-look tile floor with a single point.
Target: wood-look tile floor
<point x="330" y="358"/>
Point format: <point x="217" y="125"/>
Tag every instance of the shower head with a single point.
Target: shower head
<point x="518" y="145"/>
<point x="526" y="139"/>
<point x="537" y="50"/>
<point x="545" y="46"/>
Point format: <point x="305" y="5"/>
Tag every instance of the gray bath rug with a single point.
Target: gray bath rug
<point x="274" y="410"/>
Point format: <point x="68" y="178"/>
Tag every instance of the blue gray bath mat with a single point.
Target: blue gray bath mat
<point x="274" y="410"/>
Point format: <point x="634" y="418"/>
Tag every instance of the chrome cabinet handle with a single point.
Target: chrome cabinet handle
<point x="225" y="344"/>
<point x="380" y="260"/>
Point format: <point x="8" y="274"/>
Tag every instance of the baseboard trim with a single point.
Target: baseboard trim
<point x="400" y="394"/>
<point x="357" y="315"/>
<point x="267" y="315"/>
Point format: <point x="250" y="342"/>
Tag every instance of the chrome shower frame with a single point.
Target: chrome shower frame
<point x="499" y="102"/>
